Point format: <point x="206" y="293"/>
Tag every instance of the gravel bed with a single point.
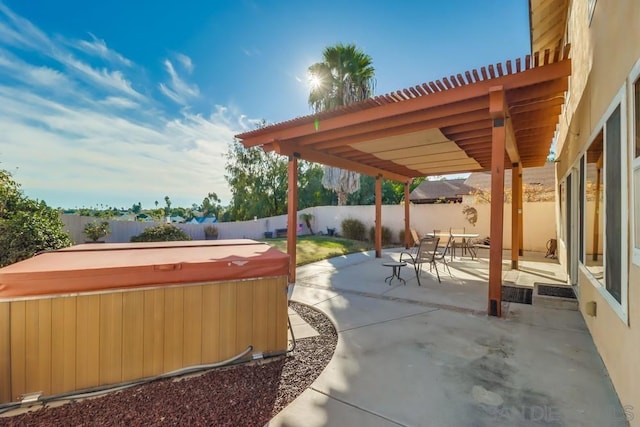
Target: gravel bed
<point x="242" y="395"/>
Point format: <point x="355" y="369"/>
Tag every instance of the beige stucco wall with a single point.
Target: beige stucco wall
<point x="539" y="223"/>
<point x="603" y="54"/>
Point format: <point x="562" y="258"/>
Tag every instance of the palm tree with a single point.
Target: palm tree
<point x="345" y="76"/>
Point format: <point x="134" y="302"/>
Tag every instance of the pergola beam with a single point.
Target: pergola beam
<point x="325" y="159"/>
<point x="324" y="123"/>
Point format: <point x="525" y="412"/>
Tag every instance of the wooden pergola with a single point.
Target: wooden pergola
<point x="497" y="117"/>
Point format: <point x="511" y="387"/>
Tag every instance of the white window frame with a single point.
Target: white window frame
<point x="635" y="164"/>
<point x="620" y="308"/>
<point x="592" y="8"/>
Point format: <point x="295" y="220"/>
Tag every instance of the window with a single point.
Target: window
<point x="581" y="199"/>
<point x="636" y="170"/>
<point x="613" y="205"/>
<point x="568" y="227"/>
<point x="592" y="8"/>
<point x="563" y="202"/>
<point x="606" y="206"/>
<point x="594" y="220"/>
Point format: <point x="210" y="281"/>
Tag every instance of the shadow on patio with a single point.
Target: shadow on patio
<point x="429" y="355"/>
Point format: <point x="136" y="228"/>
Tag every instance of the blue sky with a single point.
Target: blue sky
<point x="122" y="102"/>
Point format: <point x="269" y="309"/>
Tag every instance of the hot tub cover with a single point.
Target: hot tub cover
<point x="96" y="267"/>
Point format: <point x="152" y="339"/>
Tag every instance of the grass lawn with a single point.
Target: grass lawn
<point x="316" y="248"/>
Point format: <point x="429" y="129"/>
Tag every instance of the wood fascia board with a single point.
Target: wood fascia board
<point x="539" y="91"/>
<point x="307" y="126"/>
<point x="439" y="113"/>
<point x="326" y="159"/>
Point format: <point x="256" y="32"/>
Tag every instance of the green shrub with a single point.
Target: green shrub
<point x="353" y="229"/>
<point x="161" y="233"/>
<point x="95" y="230"/>
<point x="26" y="226"/>
<point x="401" y="236"/>
<point x="387" y="236"/>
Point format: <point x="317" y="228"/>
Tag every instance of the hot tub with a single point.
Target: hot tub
<point x="93" y="315"/>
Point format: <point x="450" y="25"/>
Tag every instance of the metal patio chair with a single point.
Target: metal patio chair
<point x="457" y="242"/>
<point x="427" y="253"/>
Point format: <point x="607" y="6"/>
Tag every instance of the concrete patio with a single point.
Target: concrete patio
<point x="429" y="355"/>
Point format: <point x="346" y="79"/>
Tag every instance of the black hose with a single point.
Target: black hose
<point x="96" y="391"/>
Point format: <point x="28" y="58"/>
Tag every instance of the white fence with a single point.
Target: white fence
<point x="538" y="218"/>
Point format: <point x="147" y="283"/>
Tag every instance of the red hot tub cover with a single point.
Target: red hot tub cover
<point x="97" y="267"/>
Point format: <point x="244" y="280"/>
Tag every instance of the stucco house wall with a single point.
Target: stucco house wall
<point x="605" y="50"/>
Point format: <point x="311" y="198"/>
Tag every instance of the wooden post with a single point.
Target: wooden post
<point x="516" y="197"/>
<point x="407" y="219"/>
<point x="520" y="213"/>
<point x="378" y="216"/>
<point x="498" y="142"/>
<point x="292" y="216"/>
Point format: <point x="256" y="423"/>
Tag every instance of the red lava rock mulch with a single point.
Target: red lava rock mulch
<point x="241" y="395"/>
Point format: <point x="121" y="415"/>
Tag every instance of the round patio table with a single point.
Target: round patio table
<point x="395" y="274"/>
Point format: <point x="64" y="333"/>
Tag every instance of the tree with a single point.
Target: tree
<point x="311" y="192"/>
<point x="211" y="205"/>
<point x="258" y="182"/>
<point x="26" y="226"/>
<point x="136" y="208"/>
<point x="345" y="76"/>
<point x="167" y="209"/>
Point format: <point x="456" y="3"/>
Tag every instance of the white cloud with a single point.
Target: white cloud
<point x="60" y="146"/>
<point x="73" y="129"/>
<point x="119" y="102"/>
<point x="30" y="74"/>
<point x="20" y="32"/>
<point x="185" y="61"/>
<point x="177" y="89"/>
<point x="250" y="52"/>
<point x="109" y="80"/>
<point x="98" y="47"/>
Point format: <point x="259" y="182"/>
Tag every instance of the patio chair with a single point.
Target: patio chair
<point x="426" y="254"/>
<point x="440" y="256"/>
<point x="440" y="234"/>
<point x="416" y="241"/>
<point x="457" y="242"/>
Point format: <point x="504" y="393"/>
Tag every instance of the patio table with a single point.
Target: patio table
<point x="396" y="271"/>
<point x="466" y="241"/>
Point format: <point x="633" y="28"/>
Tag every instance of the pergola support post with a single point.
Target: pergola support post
<point x="516" y="212"/>
<point x="520" y="213"/>
<point x="292" y="215"/>
<point x="407" y="219"/>
<point x="498" y="143"/>
<point x="378" y="232"/>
